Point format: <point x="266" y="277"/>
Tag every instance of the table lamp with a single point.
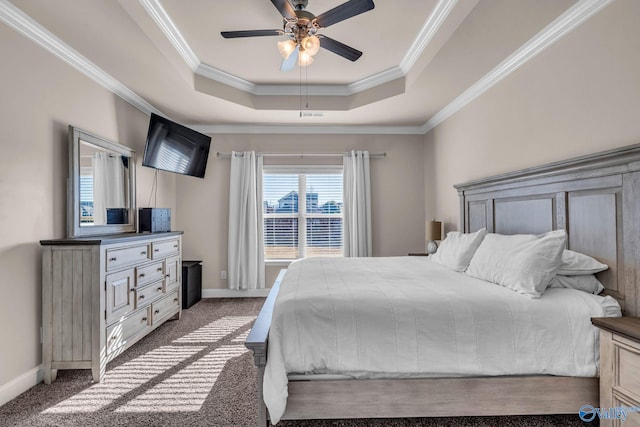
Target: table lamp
<point x="433" y="232"/>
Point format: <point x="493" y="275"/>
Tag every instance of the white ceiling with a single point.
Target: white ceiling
<point x="422" y="59"/>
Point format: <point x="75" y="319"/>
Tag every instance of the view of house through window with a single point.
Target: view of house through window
<point x="303" y="213"/>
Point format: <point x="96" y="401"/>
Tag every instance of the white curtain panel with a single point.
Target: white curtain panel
<point x="246" y="253"/>
<point x="108" y="185"/>
<point x="357" y="204"/>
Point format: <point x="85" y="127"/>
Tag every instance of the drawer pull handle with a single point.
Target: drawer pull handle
<point x="144" y="319"/>
<point x="175" y="246"/>
<point x="159" y="269"/>
<point x="141" y="275"/>
<point x="141" y="297"/>
<point x="167" y="275"/>
<point x="156" y="250"/>
<point x="175" y="300"/>
<point x="159" y="289"/>
<point x="143" y="253"/>
<point x="112" y="259"/>
<point x="132" y="290"/>
<point x="156" y="312"/>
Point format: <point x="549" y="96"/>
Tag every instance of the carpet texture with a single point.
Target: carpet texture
<point x="192" y="372"/>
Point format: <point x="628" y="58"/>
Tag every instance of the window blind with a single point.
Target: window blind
<point x="303" y="214"/>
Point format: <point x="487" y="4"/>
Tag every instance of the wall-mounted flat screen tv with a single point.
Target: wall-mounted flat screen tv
<point x="175" y="148"/>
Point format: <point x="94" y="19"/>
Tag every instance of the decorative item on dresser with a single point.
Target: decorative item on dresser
<point x="102" y="294"/>
<point x="619" y="370"/>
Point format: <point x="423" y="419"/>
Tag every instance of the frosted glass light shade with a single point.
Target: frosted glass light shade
<point x="286" y="47"/>
<point x="311" y="44"/>
<point x="304" y="58"/>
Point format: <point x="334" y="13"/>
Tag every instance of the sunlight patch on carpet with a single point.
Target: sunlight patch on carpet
<point x="242" y="337"/>
<point x="186" y="390"/>
<point x="216" y="330"/>
<point x="125" y="378"/>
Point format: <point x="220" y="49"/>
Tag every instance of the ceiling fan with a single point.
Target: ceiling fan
<point x="301" y="29"/>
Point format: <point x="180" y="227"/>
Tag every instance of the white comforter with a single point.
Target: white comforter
<point x="407" y="316"/>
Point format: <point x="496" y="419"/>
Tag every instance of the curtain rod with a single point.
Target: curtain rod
<point x="223" y="155"/>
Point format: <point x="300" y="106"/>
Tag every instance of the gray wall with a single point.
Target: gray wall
<point x="41" y="96"/>
<point x="396" y="182"/>
<point x="579" y="96"/>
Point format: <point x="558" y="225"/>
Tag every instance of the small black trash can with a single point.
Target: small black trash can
<point x="191" y="283"/>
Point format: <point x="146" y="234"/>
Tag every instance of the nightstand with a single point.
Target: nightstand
<point x="418" y="254"/>
<point x="619" y="367"/>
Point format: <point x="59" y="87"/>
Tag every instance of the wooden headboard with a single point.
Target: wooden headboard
<point x="596" y="198"/>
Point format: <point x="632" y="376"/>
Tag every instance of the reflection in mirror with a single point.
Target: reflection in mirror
<point x="102" y="197"/>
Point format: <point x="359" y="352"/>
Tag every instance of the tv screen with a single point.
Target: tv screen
<point x="175" y="148"/>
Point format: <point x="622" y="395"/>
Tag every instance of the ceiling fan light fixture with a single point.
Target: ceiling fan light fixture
<point x="304" y="58"/>
<point x="311" y="44"/>
<point x="286" y="47"/>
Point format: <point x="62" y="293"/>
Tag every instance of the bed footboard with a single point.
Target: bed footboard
<point x="257" y="342"/>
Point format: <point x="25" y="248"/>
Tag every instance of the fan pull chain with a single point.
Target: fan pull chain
<point x="306" y="86"/>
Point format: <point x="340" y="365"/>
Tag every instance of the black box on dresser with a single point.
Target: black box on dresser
<point x="154" y="220"/>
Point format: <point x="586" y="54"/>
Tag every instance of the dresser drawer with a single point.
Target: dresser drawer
<point x="148" y="294"/>
<point x="119" y="334"/>
<point x="166" y="306"/>
<point x="119" y="299"/>
<point x="633" y="418"/>
<point x="628" y="357"/>
<point x="165" y="248"/>
<point x="149" y="273"/>
<point x="121" y="257"/>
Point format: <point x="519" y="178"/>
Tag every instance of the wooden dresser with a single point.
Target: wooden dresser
<point x="102" y="294"/>
<point x="619" y="369"/>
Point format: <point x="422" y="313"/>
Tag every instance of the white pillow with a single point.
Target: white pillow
<point x="575" y="263"/>
<point x="457" y="248"/>
<point x="585" y="282"/>
<point x="524" y="263"/>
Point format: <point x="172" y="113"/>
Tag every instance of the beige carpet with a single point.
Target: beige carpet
<point x="192" y="372"/>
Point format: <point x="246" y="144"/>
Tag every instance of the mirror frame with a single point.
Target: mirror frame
<point x="73" y="186"/>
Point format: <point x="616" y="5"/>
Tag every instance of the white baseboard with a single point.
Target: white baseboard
<point x="232" y="293"/>
<point x="17" y="386"/>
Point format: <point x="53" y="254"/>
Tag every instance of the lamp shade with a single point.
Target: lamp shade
<point x="311" y="44"/>
<point x="286" y="47"/>
<point x="304" y="58"/>
<point x="433" y="230"/>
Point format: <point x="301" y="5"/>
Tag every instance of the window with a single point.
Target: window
<point x="86" y="195"/>
<point x="302" y="210"/>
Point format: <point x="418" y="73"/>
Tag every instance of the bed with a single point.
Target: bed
<point x="593" y="198"/>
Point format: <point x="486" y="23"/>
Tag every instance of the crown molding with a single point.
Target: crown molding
<point x="428" y="30"/>
<point x="225" y="78"/>
<point x="171" y="32"/>
<point x="572" y="18"/>
<point x="308" y="129"/>
<point x="25" y="25"/>
<point x="558" y="28"/>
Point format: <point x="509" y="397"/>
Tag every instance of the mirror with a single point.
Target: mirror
<point x="101" y="196"/>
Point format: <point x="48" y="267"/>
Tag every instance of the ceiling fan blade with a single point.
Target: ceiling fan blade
<point x="250" y="33"/>
<point x="339" y="48"/>
<point x="344" y="11"/>
<point x="289" y="62"/>
<point x="285" y="8"/>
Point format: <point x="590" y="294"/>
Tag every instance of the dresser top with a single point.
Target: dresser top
<point x="108" y="238"/>
<point x="628" y="327"/>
